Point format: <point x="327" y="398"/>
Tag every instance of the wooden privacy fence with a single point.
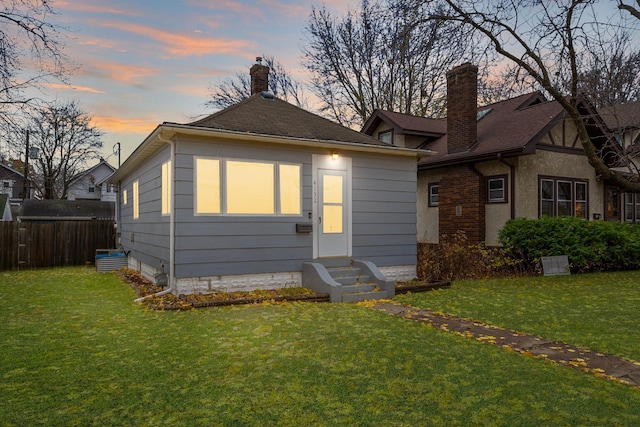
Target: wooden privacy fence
<point x="25" y="245"/>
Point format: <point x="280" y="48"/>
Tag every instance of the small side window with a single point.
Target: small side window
<point x="497" y="189"/>
<point x="434" y="194"/>
<point x="386" y="136"/>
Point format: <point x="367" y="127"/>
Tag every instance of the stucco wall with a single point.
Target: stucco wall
<point x="556" y="164"/>
<point x="496" y="214"/>
<point x="427" y="217"/>
<point x="526" y="197"/>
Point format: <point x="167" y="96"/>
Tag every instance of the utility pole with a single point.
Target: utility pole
<point x="117" y="144"/>
<point x="26" y="170"/>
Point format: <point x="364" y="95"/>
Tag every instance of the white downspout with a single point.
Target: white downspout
<point x="172" y="225"/>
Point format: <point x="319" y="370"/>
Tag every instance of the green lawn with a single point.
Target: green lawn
<point x="599" y="311"/>
<point x="75" y="350"/>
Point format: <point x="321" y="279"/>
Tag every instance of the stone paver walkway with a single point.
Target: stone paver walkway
<point x="599" y="364"/>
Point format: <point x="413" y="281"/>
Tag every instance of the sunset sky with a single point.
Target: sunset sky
<point x="143" y="62"/>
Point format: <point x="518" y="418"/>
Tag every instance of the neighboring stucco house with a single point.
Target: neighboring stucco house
<point x="251" y="196"/>
<point x="93" y="184"/>
<point x="623" y="124"/>
<point x="516" y="158"/>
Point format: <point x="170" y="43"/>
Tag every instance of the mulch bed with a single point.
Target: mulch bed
<point x="146" y="288"/>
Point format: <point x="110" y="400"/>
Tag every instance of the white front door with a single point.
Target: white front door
<point x="332" y="213"/>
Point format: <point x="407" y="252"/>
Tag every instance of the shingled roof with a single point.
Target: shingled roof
<point x="510" y="127"/>
<point x="39" y="210"/>
<point x="406" y="124"/>
<point x="621" y="116"/>
<point x="263" y="114"/>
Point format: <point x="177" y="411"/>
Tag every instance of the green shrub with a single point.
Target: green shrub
<point x="589" y="245"/>
<point x="455" y="257"/>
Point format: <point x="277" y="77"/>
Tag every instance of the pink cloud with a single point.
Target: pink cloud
<point x="136" y="125"/>
<point x="289" y="10"/>
<point x="122" y="73"/>
<point x="228" y="5"/>
<point x="60" y="86"/>
<point x="83" y="7"/>
<point x="179" y="44"/>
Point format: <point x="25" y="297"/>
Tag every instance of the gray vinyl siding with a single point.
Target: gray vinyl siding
<point x="384" y="209"/>
<point x="150" y="230"/>
<point x="218" y="245"/>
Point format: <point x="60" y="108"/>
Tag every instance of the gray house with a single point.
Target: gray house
<point x="264" y="194"/>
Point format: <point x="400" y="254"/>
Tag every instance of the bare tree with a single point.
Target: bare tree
<point x="551" y="41"/>
<point x="383" y="55"/>
<point x="30" y="52"/>
<point x="622" y="5"/>
<point x="65" y="141"/>
<point x="611" y="77"/>
<point x="232" y="90"/>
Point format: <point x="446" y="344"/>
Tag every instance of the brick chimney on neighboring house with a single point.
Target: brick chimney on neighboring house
<point x="462" y="187"/>
<point x="462" y="107"/>
<point x="259" y="77"/>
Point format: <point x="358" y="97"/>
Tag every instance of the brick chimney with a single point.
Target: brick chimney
<point x="462" y="107"/>
<point x="259" y="77"/>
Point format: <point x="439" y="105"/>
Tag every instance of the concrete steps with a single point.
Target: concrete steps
<point x="347" y="280"/>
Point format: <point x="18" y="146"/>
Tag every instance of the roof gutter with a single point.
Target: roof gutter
<point x="147" y="145"/>
<point x="464" y="160"/>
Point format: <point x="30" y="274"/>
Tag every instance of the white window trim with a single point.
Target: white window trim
<point x="502" y="199"/>
<point x="430" y="202"/>
<point x="223" y="187"/>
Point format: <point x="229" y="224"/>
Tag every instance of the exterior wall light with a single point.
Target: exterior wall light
<point x="334" y="155"/>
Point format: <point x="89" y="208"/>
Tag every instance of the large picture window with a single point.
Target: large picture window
<point x="250" y="188"/>
<point x="207" y="186"/>
<point x="289" y="179"/>
<point x="241" y="187"/>
<point x="563" y="197"/>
